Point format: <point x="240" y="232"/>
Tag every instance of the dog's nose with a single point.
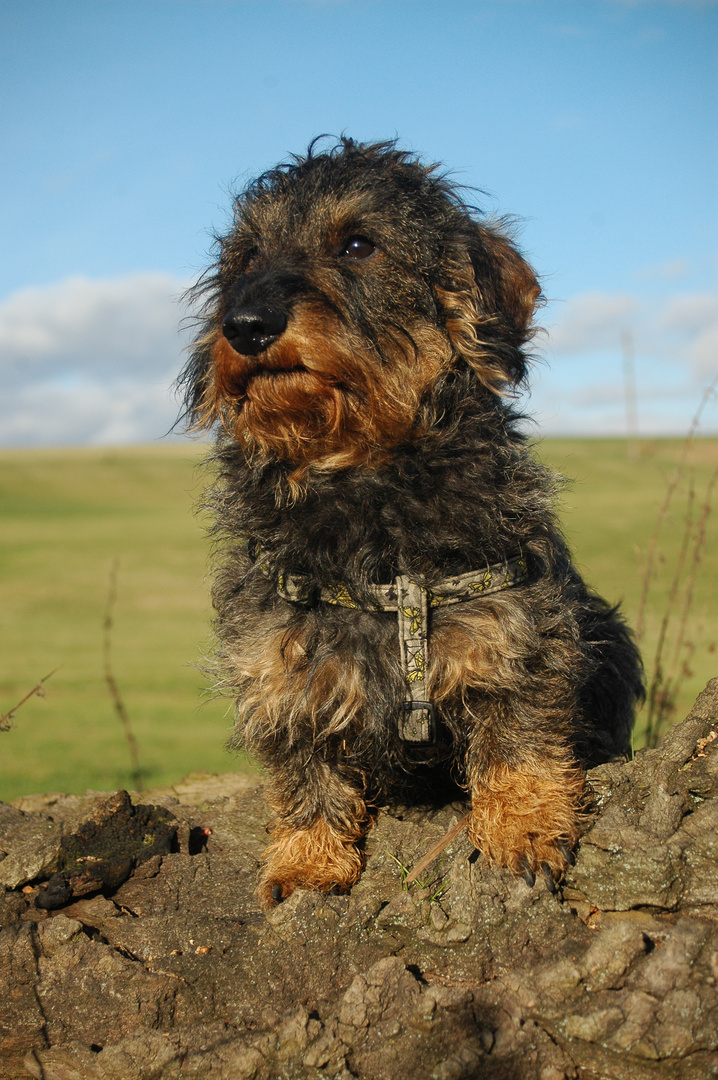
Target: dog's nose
<point x="251" y="330"/>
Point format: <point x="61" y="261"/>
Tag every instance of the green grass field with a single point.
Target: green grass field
<point x="68" y="514"/>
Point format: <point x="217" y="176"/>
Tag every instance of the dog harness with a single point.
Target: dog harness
<point x="411" y="601"/>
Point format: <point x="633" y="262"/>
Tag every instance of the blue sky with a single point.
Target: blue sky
<point x="126" y="124"/>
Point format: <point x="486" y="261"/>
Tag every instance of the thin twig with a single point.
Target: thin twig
<point x="657" y="701"/>
<point x="708" y="393"/>
<point x="117" y="701"/>
<point x="38" y="689"/>
<point x="436" y="850"/>
<point x="677" y="673"/>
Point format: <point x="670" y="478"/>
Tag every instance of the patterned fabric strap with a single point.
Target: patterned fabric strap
<point x="412" y="601"/>
<point x="452" y="590"/>
<point x="417" y="722"/>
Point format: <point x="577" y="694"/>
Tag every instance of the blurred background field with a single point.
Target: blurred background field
<point x="67" y="514"/>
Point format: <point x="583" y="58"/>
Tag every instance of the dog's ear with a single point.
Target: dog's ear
<point x="489" y="298"/>
<point x="507" y="286"/>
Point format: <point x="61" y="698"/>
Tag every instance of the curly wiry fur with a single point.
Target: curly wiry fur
<point x="362" y="332"/>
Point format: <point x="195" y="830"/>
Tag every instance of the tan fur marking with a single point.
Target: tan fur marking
<point x="282" y="695"/>
<point x="520" y="812"/>
<point x="479" y="649"/>
<point x="230" y="370"/>
<point x="461" y="307"/>
<point x="320" y="858"/>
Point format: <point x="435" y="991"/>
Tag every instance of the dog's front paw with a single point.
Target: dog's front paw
<point x="528" y="818"/>
<point x="316" y="858"/>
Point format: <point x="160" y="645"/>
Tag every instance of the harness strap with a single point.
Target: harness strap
<point x="417" y="723"/>
<point x="411" y="601"/>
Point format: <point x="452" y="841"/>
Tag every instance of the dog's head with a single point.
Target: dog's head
<point x="349" y="282"/>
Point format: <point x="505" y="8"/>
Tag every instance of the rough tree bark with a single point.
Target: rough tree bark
<point x="149" y="959"/>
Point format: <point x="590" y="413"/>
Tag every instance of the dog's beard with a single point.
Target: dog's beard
<point x="304" y="417"/>
<point x="320" y="398"/>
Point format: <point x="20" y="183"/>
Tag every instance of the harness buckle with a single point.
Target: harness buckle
<point x="418" y="722"/>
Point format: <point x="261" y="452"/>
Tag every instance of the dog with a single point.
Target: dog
<point x="396" y="606"/>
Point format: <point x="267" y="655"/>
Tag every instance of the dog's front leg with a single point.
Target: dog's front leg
<point x="513" y="687"/>
<point x="526" y="785"/>
<point x="321" y="817"/>
<point x="526" y="813"/>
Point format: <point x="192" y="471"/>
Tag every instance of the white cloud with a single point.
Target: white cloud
<point x="692" y="323"/>
<point x="692" y="313"/>
<point x="682" y="328"/>
<point x="90" y="360"/>
<point x="121" y="411"/>
<point x="675" y="344"/>
<point x="668" y="270"/>
<point x="590" y="322"/>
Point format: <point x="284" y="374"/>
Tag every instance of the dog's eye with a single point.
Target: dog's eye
<point x="358" y="247"/>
